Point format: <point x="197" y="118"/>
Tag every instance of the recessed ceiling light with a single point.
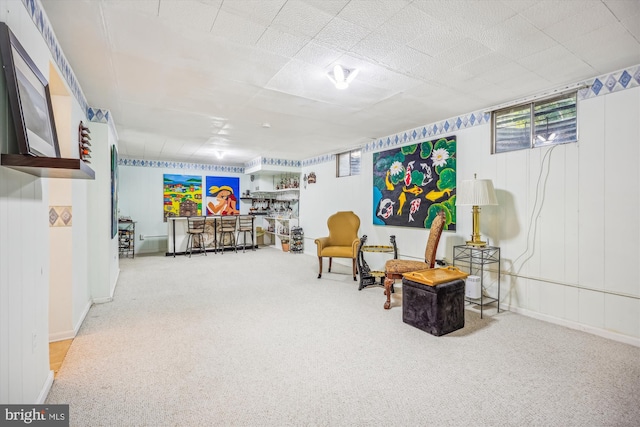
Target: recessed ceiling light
<point x="266" y="125"/>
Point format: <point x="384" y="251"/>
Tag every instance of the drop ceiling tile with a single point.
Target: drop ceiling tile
<point x="466" y="17"/>
<point x="318" y="54"/>
<point x="407" y="25"/>
<point x="501" y="36"/>
<point x="237" y="29"/>
<point x="147" y="7"/>
<point x="405" y="59"/>
<point x="538" y="13"/>
<point x="371" y="14"/>
<point x="301" y="18"/>
<point x="342" y="34"/>
<point x="256" y="11"/>
<point x="376" y="47"/>
<point x="483" y="63"/>
<point x="606" y="47"/>
<point x="436" y="39"/>
<point x="281" y="43"/>
<point x="588" y="17"/>
<point x="623" y="8"/>
<point x="632" y="23"/>
<point x="332" y="7"/>
<point x="465" y="51"/>
<point x="189" y="15"/>
<point x="556" y="64"/>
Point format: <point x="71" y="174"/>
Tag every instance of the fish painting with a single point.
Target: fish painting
<point x="387" y="182"/>
<point x="428" y="177"/>
<point x="407" y="175"/>
<point x="402" y="198"/>
<point x="415" y="190"/>
<point x="434" y="195"/>
<point x="386" y="208"/>
<point x="415" y="207"/>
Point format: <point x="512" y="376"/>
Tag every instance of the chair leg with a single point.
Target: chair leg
<point x="188" y="245"/>
<point x="388" y="282"/>
<point x="353" y="264"/>
<point x="202" y="245"/>
<point x="330" y="261"/>
<point x="319" y="267"/>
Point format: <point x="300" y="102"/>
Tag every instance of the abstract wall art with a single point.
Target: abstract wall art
<point x="182" y="195"/>
<point x="222" y="194"/>
<point x="411" y="184"/>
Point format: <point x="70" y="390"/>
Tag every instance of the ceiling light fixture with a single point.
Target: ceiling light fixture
<point x="341" y="77"/>
<point x="219" y="154"/>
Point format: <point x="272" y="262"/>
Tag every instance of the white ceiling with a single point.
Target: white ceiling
<point x="184" y="78"/>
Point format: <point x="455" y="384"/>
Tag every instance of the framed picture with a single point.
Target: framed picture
<point x="29" y="99"/>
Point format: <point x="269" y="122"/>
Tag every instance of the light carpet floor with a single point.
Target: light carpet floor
<point x="254" y="339"/>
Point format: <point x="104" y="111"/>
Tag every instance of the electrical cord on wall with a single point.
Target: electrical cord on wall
<point x="534" y="222"/>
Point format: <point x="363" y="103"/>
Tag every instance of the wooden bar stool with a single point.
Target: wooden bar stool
<point x="245" y="225"/>
<point x="195" y="234"/>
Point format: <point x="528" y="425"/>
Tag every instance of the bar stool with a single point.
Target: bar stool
<point x="227" y="227"/>
<point x="195" y="228"/>
<point x="245" y="225"/>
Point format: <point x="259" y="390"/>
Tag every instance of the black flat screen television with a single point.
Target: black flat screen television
<point x="29" y="99"/>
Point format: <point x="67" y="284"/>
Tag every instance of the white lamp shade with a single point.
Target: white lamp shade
<point x="476" y="192"/>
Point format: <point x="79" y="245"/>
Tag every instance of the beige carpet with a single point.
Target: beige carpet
<point x="254" y="339"/>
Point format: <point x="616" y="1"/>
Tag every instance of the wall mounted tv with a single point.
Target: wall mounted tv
<point x="29" y="99"/>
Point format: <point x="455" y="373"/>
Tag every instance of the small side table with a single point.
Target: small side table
<point x="476" y="257"/>
<point x="367" y="276"/>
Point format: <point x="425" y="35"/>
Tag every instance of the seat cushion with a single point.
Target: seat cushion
<point x="399" y="266"/>
<point x="338" y="252"/>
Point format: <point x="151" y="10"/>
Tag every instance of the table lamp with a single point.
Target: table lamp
<point x="476" y="192"/>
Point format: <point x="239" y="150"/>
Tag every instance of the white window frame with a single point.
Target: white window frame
<point x="539" y="135"/>
<point x="348" y="163"/>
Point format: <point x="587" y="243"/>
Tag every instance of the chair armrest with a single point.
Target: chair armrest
<point x="321" y="242"/>
<point x="354" y="247"/>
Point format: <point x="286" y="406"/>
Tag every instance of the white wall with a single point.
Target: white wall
<point x="29" y="248"/>
<point x="141" y="197"/>
<point x="24" y="253"/>
<point x="104" y="263"/>
<point x="576" y="263"/>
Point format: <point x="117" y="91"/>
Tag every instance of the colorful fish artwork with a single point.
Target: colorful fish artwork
<point x="435" y="195"/>
<point x="413" y="182"/>
<point x="386" y="208"/>
<point x="427" y="174"/>
<point x="407" y="175"/>
<point x="402" y="199"/>
<point x="415" y="190"/>
<point x="414" y="207"/>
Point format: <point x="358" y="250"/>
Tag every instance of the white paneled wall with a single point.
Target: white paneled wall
<point x="567" y="221"/>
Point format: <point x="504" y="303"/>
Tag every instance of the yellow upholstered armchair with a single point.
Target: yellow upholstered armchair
<point x="395" y="268"/>
<point x="342" y="242"/>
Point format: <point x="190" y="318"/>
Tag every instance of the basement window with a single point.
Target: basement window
<point x="348" y="163"/>
<point x="536" y="124"/>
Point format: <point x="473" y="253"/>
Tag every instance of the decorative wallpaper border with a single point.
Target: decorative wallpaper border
<point x="269" y="161"/>
<point x="179" y="165"/>
<point x="39" y="17"/>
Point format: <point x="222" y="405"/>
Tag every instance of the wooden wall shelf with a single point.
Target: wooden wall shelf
<point x="48" y="167"/>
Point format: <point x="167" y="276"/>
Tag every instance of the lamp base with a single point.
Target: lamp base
<point x="476" y="243"/>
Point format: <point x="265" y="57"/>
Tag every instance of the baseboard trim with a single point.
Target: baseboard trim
<point x="46" y="388"/>
<point x="578" y="326"/>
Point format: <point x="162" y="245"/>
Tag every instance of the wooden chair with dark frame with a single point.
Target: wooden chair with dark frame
<point x="395" y="268"/>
